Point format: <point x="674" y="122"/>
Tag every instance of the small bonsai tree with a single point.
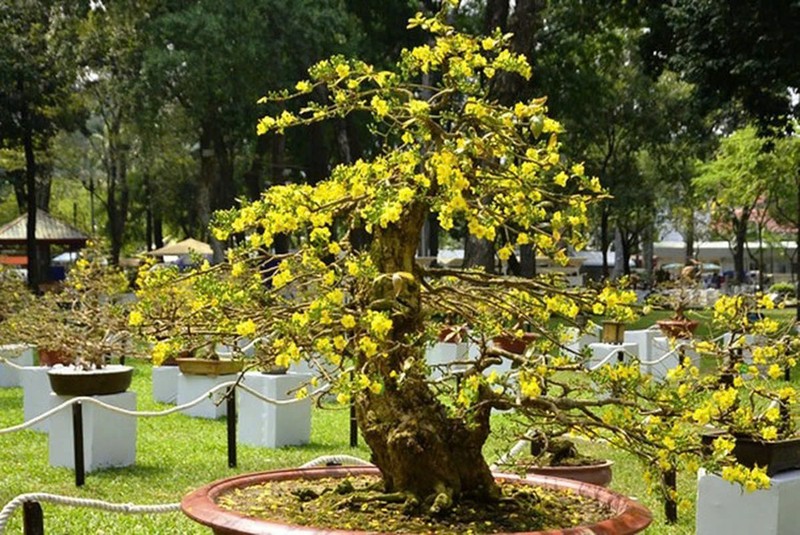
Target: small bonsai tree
<point x="85" y="321"/>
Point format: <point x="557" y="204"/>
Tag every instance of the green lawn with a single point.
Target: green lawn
<point x="176" y="454"/>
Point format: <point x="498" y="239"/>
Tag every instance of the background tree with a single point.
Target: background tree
<point x="37" y="71"/>
<point x="737" y="180"/>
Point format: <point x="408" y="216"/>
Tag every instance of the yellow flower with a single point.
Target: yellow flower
<point x="769" y="433"/>
<point x="246" y="328"/>
<point x="348" y="321"/>
<point x="135" y="319"/>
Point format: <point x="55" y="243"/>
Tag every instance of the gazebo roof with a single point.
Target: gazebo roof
<point x="185" y="247"/>
<point x="48" y="230"/>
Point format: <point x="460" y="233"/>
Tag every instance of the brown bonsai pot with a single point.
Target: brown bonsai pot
<point x="51" y="357"/>
<point x="514" y="344"/>
<point x="594" y="474"/>
<point x="629" y="516"/>
<point x="213" y="367"/>
<point x="613" y="332"/>
<point x="678" y="328"/>
<point x="71" y="381"/>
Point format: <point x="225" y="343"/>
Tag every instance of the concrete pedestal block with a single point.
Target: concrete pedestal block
<point x="724" y="507"/>
<point x="165" y="383"/>
<point x="190" y="387"/>
<point x="441" y="356"/>
<point x="644" y="339"/>
<point x="19" y="354"/>
<point x="269" y="425"/>
<point x="109" y="438"/>
<point x="36" y="395"/>
<point x="600" y="352"/>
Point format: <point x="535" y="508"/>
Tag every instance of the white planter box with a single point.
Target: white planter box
<point x="441" y="357"/>
<point x="644" y="339"/>
<point x="19" y="354"/>
<point x="725" y="508"/>
<point x="611" y="354"/>
<point x="165" y="383"/>
<point x="269" y="425"/>
<point x="190" y="387"/>
<point x="36" y="395"/>
<point x="109" y="438"/>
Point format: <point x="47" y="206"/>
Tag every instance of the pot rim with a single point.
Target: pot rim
<point x="200" y="505"/>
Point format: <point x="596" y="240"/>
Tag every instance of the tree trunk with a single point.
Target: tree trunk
<point x="419" y="450"/>
<point x="740" y="233"/>
<point x="117" y="195"/>
<point x="479" y="252"/>
<point x="647" y="255"/>
<point x="527" y="260"/>
<point x="619" y="254"/>
<point x="689" y="237"/>
<point x="254" y="177"/>
<point x="34" y="276"/>
<point x="604" y="242"/>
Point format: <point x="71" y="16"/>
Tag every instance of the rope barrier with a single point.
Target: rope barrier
<point x="127" y="508"/>
<point x="165" y="412"/>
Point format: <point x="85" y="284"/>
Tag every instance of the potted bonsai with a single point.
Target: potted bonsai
<point x="362" y="311"/>
<point x="615" y="306"/>
<point x="83" y="325"/>
<point x="678" y="298"/>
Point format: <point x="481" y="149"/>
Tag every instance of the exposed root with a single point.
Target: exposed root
<point x="443" y="501"/>
<point x="356" y="501"/>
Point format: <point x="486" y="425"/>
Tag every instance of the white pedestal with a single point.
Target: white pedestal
<point x="600" y="353"/>
<point x="269" y="425"/>
<point x="36" y="395"/>
<point x="190" y="387"/>
<point x="660" y="348"/>
<point x="724" y="507"/>
<point x="165" y="383"/>
<point x="19" y="354"/>
<point x="644" y="339"/>
<point x="441" y="357"/>
<point x="109" y="438"/>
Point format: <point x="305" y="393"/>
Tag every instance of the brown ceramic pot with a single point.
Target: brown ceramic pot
<point x="629" y="516"/>
<point x="595" y="474"/>
<point x="51" y="357"/>
<point x="194" y="366"/>
<point x="613" y="332"/>
<point x="678" y="328"/>
<point x="514" y="344"/>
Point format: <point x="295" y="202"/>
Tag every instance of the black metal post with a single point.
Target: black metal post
<point x="231" y="418"/>
<point x="77" y="443"/>
<point x="32" y="518"/>
<point x="353" y="425"/>
<point x="670" y="505"/>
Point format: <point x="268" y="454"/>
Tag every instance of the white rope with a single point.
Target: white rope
<point x="127" y="508"/>
<point x="327" y="460"/>
<point x="150" y="414"/>
<point x="7" y="362"/>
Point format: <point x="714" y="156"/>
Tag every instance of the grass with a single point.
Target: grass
<point x="176" y="454"/>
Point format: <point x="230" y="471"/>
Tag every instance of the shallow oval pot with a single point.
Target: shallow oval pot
<point x="595" y="474"/>
<point x="70" y="381"/>
<point x="629" y="516"/>
<point x="212" y="367"/>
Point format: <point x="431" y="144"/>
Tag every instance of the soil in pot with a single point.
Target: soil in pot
<point x="74" y="381"/>
<point x="346" y="499"/>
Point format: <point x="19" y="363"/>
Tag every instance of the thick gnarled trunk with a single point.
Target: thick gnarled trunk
<point x="419" y="449"/>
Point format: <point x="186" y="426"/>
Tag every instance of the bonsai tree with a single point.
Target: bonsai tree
<point x="363" y="308"/>
<point x="350" y="299"/>
<point x="85" y="321"/>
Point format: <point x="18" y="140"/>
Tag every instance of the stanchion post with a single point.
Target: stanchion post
<point x="353" y="425"/>
<point x="32" y="519"/>
<point x="77" y="442"/>
<point x="670" y="504"/>
<point x="231" y="419"/>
